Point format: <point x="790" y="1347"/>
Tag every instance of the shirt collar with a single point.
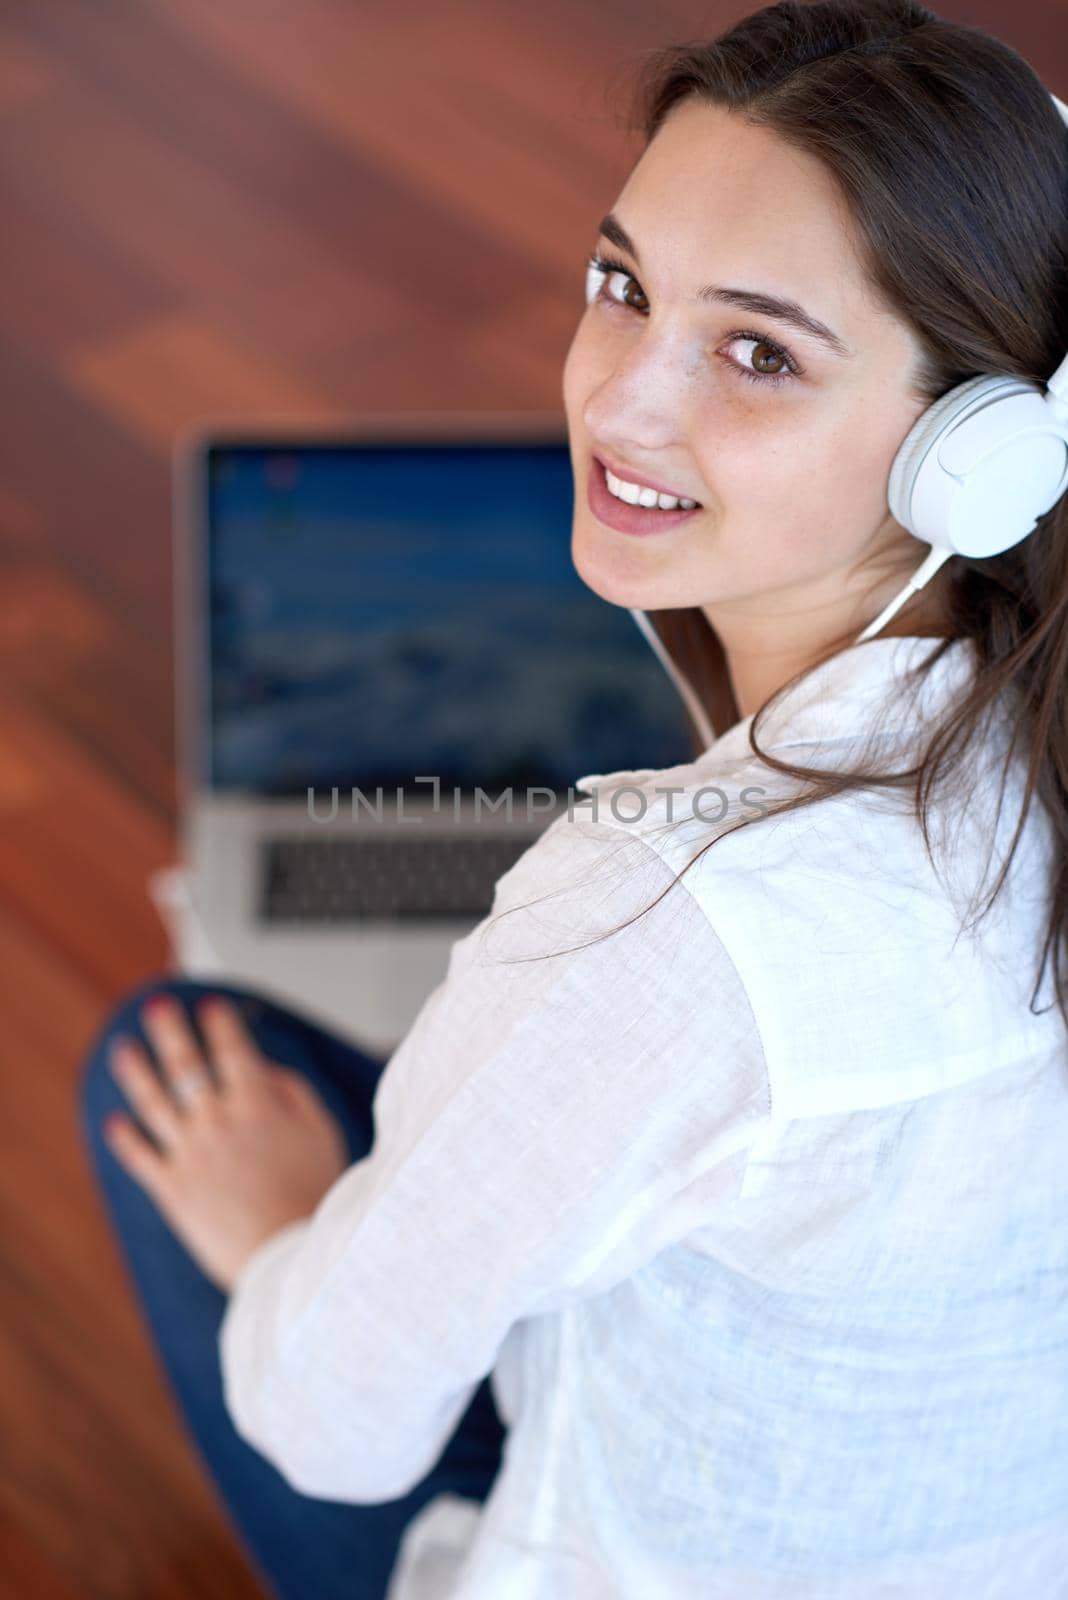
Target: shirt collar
<point x="859" y="692"/>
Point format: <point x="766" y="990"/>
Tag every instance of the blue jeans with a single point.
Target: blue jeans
<point x="302" y="1548"/>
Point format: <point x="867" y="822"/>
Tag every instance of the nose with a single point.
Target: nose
<point x="641" y="406"/>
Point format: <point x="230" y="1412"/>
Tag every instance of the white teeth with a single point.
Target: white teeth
<point x="635" y="495"/>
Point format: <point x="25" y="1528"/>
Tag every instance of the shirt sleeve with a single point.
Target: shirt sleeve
<point x="550" y="1122"/>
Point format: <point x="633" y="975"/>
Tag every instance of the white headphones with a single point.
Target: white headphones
<point x="972" y="476"/>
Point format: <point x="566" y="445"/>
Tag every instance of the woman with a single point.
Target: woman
<point x="729" y="1149"/>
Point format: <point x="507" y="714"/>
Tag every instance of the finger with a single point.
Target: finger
<point x="296" y="1086"/>
<point x="308" y="1103"/>
<point x="133" y="1151"/>
<point x="172" y="1038"/>
<point x="141" y="1084"/>
<point x="238" y="1058"/>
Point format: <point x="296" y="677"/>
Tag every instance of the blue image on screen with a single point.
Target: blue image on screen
<point x="382" y="611"/>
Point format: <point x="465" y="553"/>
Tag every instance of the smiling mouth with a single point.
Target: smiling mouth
<point x="685" y="502"/>
<point x="625" y="517"/>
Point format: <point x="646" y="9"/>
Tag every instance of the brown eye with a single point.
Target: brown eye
<point x="632" y="283"/>
<point x="764" y="362"/>
<point x="765" y="353"/>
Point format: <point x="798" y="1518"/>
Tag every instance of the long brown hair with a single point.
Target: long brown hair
<point x="954" y="163"/>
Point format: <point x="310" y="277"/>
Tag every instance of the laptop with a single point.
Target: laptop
<point x="389" y="677"/>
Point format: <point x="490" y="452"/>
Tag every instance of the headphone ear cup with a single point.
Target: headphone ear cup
<point x="917" y="444"/>
<point x="979" y="466"/>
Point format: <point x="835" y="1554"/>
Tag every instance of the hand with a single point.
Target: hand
<point x="245" y="1148"/>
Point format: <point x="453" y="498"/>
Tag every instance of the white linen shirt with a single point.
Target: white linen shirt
<point x="756" y="1211"/>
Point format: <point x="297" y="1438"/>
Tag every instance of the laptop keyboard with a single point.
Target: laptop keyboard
<point x="353" y="879"/>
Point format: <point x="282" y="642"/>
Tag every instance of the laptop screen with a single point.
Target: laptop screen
<point x="381" y="611"/>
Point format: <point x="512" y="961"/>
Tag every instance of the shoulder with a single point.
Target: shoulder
<point x="582" y="879"/>
<point x="731" y="802"/>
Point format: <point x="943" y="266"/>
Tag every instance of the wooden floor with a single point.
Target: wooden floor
<point x="252" y="207"/>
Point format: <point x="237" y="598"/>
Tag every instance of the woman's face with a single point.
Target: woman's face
<point x="785" y="440"/>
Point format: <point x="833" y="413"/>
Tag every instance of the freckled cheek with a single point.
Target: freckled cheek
<point x="854" y="458"/>
<point x="750" y="449"/>
<point x="784" y="437"/>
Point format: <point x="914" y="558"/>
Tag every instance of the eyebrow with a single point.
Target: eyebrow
<point x="764" y="305"/>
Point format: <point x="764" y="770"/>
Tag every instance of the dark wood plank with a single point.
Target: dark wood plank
<point x="27" y="1569"/>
